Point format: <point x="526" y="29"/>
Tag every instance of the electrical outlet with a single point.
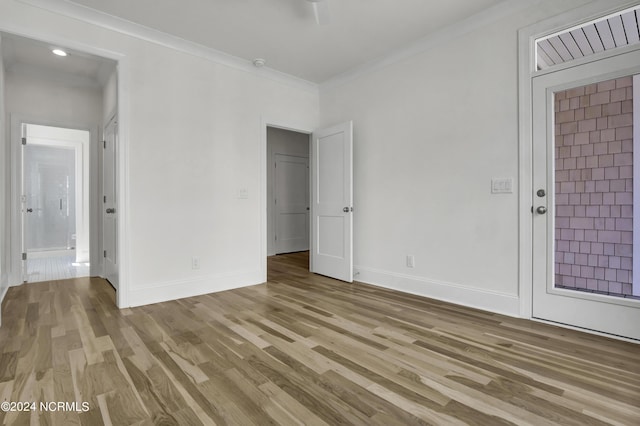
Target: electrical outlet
<point x="195" y="263"/>
<point x="411" y="261"/>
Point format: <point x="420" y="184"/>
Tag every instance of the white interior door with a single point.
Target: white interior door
<point x="110" y="204"/>
<point x="331" y="251"/>
<point x="291" y="203"/>
<point x="583" y="197"/>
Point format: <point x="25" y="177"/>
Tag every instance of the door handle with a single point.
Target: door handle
<point x="110" y="211"/>
<point x="29" y="210"/>
<point x="541" y="210"/>
<point x="346" y="209"/>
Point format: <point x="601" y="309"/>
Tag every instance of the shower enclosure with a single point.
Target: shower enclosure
<point x="49" y="184"/>
<point x="55" y="202"/>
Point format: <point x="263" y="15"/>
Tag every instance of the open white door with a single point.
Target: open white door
<point x="110" y="206"/>
<point x="332" y="200"/>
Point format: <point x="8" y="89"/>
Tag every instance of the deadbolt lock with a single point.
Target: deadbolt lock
<point x="541" y="193"/>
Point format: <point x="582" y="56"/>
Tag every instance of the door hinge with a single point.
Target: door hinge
<point x="104" y="199"/>
<point x="104" y="144"/>
<point x="276" y="238"/>
<point x="275" y="165"/>
<point x="24" y="256"/>
<point x="104" y="254"/>
<point x="24" y="141"/>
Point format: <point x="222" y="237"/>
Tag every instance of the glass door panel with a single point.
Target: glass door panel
<point x="593" y="150"/>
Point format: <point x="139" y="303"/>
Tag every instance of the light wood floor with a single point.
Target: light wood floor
<point x="302" y="349"/>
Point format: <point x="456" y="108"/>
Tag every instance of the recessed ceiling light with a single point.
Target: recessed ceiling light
<point x="59" y="52"/>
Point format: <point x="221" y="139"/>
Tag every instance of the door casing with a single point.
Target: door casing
<point x="279" y="124"/>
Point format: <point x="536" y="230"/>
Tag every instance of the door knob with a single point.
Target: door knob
<point x="541" y="210"/>
<point x="346" y="209"/>
<point x="111" y="211"/>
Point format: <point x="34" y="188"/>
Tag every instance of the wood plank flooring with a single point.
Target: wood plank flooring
<point x="301" y="349"/>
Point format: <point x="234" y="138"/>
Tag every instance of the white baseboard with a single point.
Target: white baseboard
<point x="179" y="289"/>
<point x="496" y="302"/>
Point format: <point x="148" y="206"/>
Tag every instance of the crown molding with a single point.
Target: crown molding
<point x="122" y="26"/>
<point x="460" y="28"/>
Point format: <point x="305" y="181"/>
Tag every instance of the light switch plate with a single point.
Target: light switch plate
<point x="501" y="185"/>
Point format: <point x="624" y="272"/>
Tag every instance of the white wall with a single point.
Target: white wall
<point x="193" y="138"/>
<point x="430" y="133"/>
<point x="280" y="141"/>
<point x="35" y="96"/>
<point x="109" y="97"/>
<point x="4" y="187"/>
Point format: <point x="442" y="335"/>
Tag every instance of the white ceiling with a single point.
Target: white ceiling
<point x="284" y="32"/>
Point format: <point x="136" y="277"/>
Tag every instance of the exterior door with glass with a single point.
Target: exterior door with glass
<point x="585" y="191"/>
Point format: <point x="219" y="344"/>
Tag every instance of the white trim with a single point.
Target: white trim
<point x="124" y="215"/>
<point x="525" y="172"/>
<point x="113" y="23"/>
<point x="584" y="330"/>
<point x="502" y="303"/>
<point x="636" y="185"/>
<point x="179" y="289"/>
<point x="526" y="71"/>
<point x="457" y="29"/>
<point x="280" y="124"/>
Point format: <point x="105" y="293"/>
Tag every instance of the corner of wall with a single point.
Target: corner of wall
<point x="4" y="180"/>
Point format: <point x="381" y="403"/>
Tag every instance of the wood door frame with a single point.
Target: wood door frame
<point x="123" y="78"/>
<point x="284" y="125"/>
<point x="526" y="72"/>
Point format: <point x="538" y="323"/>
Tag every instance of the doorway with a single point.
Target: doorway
<point x="55" y="203"/>
<point x="585" y="247"/>
<point x="288" y="211"/>
<point x="331" y="194"/>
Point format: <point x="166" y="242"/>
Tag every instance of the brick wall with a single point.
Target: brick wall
<point x="594" y="186"/>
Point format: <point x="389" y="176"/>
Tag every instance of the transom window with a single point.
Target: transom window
<point x="610" y="32"/>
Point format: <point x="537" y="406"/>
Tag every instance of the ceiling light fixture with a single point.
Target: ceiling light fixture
<point x="259" y="62"/>
<point x="59" y="52"/>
